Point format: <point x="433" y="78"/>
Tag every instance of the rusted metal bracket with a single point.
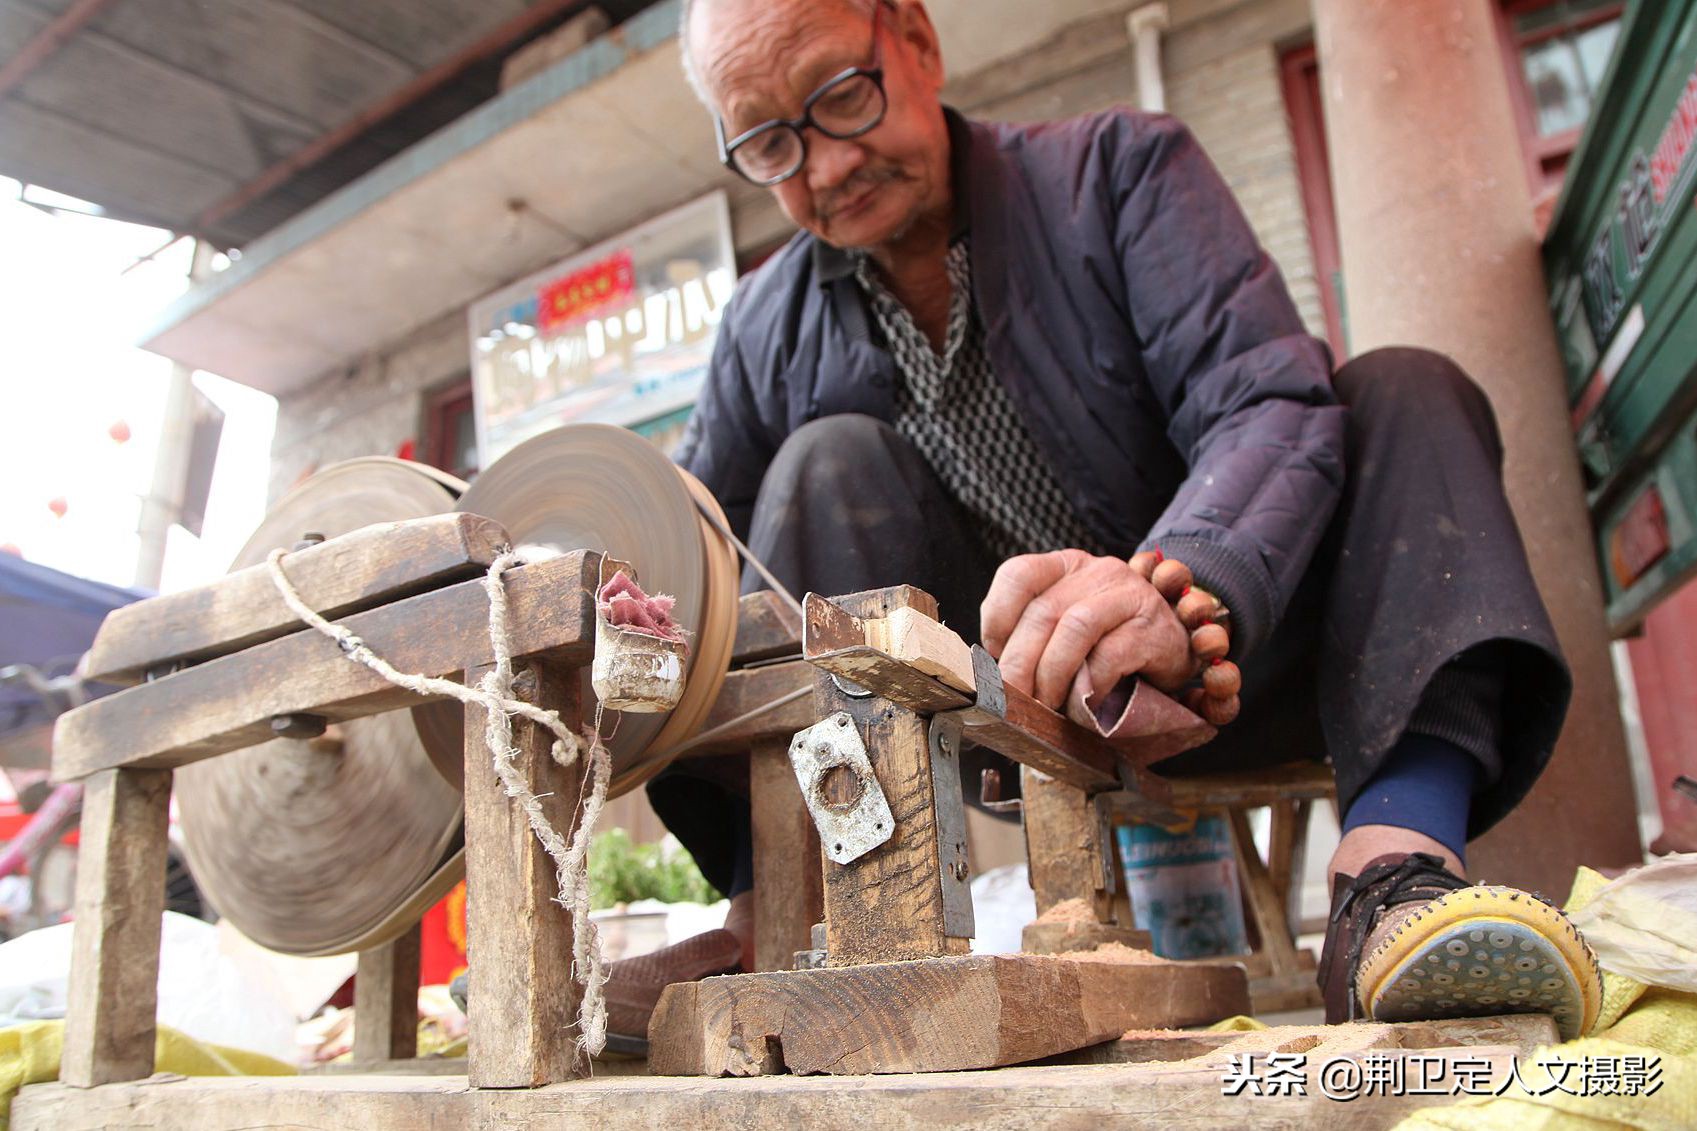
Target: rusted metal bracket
<point x="945" y="743"/>
<point x="841" y="791"/>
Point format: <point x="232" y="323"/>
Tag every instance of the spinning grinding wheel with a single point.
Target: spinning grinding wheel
<point x="594" y="486"/>
<point x="339" y="843"/>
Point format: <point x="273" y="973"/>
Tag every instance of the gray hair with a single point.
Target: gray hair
<point x="691" y="73"/>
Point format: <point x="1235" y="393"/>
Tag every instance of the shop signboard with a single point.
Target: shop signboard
<point x="618" y="334"/>
<point x="1621" y="259"/>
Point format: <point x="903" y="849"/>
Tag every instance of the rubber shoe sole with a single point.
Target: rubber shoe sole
<point x="1479" y="952"/>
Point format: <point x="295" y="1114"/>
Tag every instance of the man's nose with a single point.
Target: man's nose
<point x="831" y="161"/>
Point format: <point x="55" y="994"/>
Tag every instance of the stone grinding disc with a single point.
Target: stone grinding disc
<point x="599" y="487"/>
<point x="305" y="849"/>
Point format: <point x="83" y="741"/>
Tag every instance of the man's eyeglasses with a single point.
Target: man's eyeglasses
<point x="847" y="106"/>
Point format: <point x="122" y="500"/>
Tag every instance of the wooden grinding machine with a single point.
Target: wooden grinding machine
<point x="326" y="805"/>
<point x="327" y="843"/>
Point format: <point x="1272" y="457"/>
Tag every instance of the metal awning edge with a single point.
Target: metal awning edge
<point x="644" y="32"/>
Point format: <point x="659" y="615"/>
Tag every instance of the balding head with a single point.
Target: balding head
<point x="756" y="61"/>
<point x="861" y="8"/>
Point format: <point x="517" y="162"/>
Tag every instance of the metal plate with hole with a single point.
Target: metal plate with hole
<point x="840" y="789"/>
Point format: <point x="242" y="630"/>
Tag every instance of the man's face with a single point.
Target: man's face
<point x="760" y="59"/>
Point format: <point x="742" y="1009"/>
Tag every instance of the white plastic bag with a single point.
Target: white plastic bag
<point x="1644" y="924"/>
<point x="205" y="992"/>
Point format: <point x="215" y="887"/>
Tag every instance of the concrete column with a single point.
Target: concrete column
<point x="1435" y="227"/>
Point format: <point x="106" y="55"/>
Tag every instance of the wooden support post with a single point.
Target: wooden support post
<point x="114" y="987"/>
<point x="522" y="1002"/>
<point x="386" y="1000"/>
<point x="1068" y="842"/>
<point x="1265" y="905"/>
<point x="888" y="905"/>
<point x="1287" y="853"/>
<point x="788" y="878"/>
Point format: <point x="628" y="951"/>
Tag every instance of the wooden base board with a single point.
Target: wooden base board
<point x="930" y="1015"/>
<point x="1153" y="1080"/>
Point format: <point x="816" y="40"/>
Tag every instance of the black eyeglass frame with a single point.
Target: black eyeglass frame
<point x="798" y="126"/>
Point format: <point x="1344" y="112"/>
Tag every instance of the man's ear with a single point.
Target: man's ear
<point x="918" y="37"/>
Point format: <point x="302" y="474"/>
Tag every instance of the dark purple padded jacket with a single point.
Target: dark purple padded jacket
<point x="1144" y="336"/>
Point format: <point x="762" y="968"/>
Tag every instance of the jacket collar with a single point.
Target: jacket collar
<point x="833" y="263"/>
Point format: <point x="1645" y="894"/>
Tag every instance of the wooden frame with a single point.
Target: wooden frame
<point x="927" y="1014"/>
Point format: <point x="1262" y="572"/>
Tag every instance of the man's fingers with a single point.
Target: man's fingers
<point x="1077" y="632"/>
<point x="1154" y="646"/>
<point x="1018" y="581"/>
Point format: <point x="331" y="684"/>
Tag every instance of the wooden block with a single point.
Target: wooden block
<point x="920" y="642"/>
<point x="228" y="703"/>
<point x="888" y="905"/>
<point x="359" y="570"/>
<point x="766" y="628"/>
<point x="522" y="1003"/>
<point x="386" y="1000"/>
<point x="1065" y="842"/>
<point x="113" y="992"/>
<point x="834" y="640"/>
<point x="935" y="1015"/>
<point x="788" y="873"/>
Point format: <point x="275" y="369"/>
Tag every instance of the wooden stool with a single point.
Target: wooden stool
<point x="1281" y="976"/>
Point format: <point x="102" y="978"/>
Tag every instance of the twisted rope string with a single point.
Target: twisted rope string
<point x="494" y="693"/>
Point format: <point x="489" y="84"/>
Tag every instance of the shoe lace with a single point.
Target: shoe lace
<point x="1416" y="878"/>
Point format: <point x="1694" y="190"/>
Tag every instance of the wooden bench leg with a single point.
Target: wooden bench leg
<point x="788" y="878"/>
<point x="386" y="1000"/>
<point x="522" y="1003"/>
<point x="1265" y="906"/>
<point x="113" y="998"/>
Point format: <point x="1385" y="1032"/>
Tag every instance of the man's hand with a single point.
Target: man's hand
<point x="1048" y="615"/>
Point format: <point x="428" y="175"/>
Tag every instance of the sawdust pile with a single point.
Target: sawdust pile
<point x="1074" y="912"/>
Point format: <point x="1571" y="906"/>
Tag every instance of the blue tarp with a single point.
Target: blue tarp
<point x="47" y="620"/>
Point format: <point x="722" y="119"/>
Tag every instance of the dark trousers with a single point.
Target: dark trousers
<point x="1418" y="611"/>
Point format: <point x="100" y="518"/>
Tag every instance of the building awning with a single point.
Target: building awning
<point x="601" y="141"/>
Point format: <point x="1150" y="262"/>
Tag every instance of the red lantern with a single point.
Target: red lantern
<point x="58" y="506"/>
<point x="119" y="431"/>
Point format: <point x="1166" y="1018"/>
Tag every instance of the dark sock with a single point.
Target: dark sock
<point x="1425" y="785"/>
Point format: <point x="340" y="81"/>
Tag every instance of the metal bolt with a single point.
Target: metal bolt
<point x="298" y="726"/>
<point x="310" y="538"/>
<point x="842" y="720"/>
<point x="958" y="870"/>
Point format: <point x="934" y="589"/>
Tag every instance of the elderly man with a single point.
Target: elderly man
<point x="998" y="360"/>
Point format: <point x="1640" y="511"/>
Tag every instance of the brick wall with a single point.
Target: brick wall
<point x="1235" y="106"/>
<point x="371" y="408"/>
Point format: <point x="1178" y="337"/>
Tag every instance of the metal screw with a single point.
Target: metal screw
<point x="842" y="720"/>
<point x="958" y="870"/>
<point x="310" y="538"/>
